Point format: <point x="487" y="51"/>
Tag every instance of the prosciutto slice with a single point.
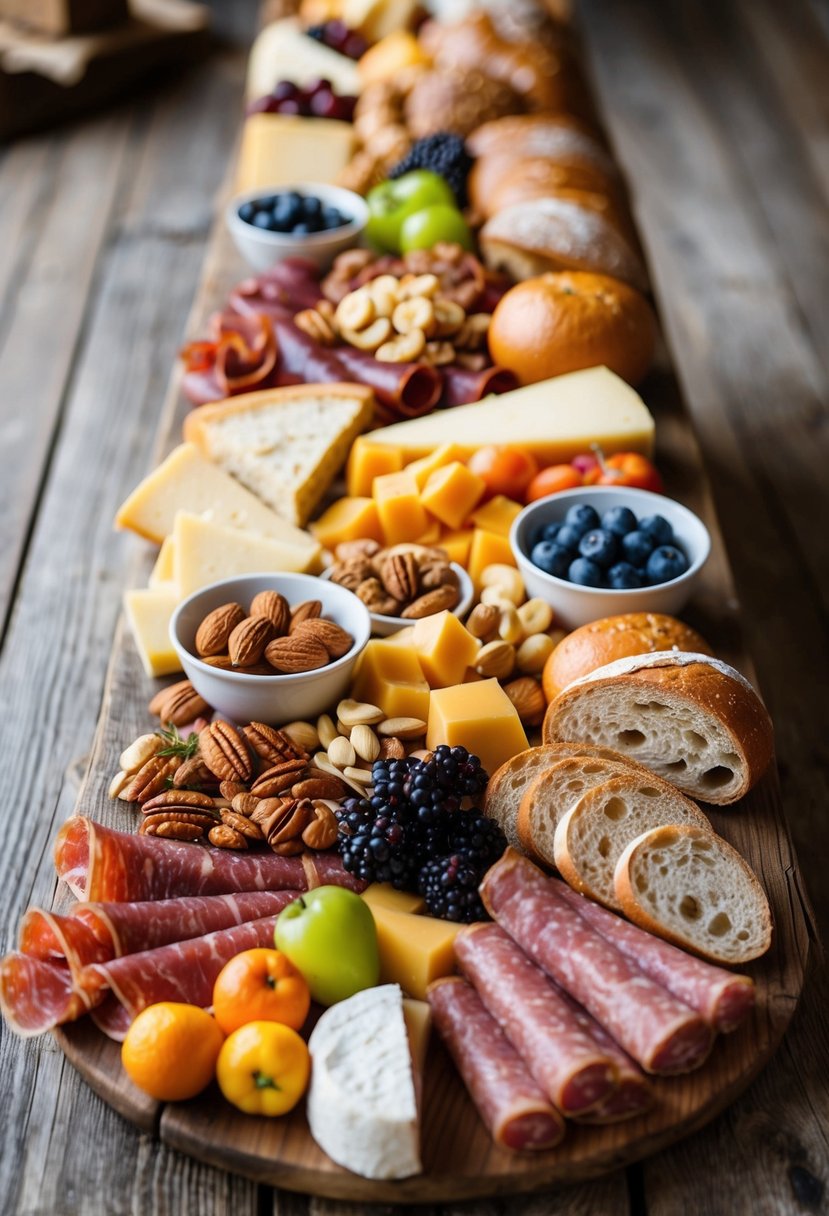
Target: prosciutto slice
<point x="101" y="864"/>
<point x="516" y="1112"/>
<point x="662" y="1033"/>
<point x="35" y="995"/>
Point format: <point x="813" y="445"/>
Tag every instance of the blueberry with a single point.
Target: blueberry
<point x="291" y="205"/>
<point x="333" y="218"/>
<point x="551" y="531"/>
<point x="619" y="521"/>
<point x="312" y="205"/>
<point x="585" y="572"/>
<point x="569" y="537"/>
<point x="637" y="547"/>
<point x="623" y="577"/>
<point x="665" y="563"/>
<point x="262" y="219"/>
<point x="304" y="228"/>
<point x="582" y="516"/>
<point x="551" y="558"/>
<point x="658" y="528"/>
<point x="247" y="211"/>
<point x="600" y="546"/>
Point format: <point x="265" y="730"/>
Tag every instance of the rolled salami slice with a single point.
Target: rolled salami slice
<point x="407" y="390"/>
<point x="516" y="1112"/>
<point x="662" y="1033"/>
<point x="461" y="386"/>
<point x="36" y="996"/>
<point x="101" y="864"/>
<point x="564" y="1058"/>
<point x="724" y="999"/>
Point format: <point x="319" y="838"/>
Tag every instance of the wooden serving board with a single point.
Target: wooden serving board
<point x="460" y="1160"/>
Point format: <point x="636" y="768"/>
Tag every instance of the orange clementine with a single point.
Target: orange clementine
<point x="260" y="986"/>
<point x="170" y="1050"/>
<point x="505" y="470"/>
<point x="562" y="322"/>
<point x="552" y="479"/>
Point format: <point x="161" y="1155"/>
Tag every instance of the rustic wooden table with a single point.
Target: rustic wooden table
<point x="719" y="115"/>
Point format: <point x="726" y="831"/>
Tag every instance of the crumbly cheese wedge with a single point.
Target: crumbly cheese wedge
<point x="186" y="481"/>
<point x="285" y="149"/>
<point x="362" y="1101"/>
<point x="555" y="419"/>
<point x="148" y="613"/>
<point x="204" y="552"/>
<point x="282" y="51"/>
<point x="286" y="445"/>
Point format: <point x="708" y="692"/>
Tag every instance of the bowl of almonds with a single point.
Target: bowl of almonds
<point x="270" y="647"/>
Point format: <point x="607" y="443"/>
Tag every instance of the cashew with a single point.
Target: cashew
<point x="412" y="285"/>
<point x="507" y="579"/>
<point x="403" y="349"/>
<point x="494" y="597"/>
<point x="449" y="317"/>
<point x="416" y="313"/>
<point x="355" y="311"/>
<point x="510" y="627"/>
<point x="536" y="616"/>
<point x="371" y="338"/>
<point x="534" y="652"/>
<point x="385" y="293"/>
<point x="438" y="354"/>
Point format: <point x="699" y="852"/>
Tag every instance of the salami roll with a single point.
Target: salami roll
<point x="406" y="390"/>
<point x="516" y="1112"/>
<point x="36" y="996"/>
<point x="663" y="1034"/>
<point x="461" y="386"/>
<point x="564" y="1058"/>
<point x="723" y="999"/>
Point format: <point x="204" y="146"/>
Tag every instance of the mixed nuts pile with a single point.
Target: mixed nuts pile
<point x="407" y="580"/>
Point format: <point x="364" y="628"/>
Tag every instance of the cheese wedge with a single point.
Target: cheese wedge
<point x="286" y="150"/>
<point x="414" y="950"/>
<point x="286" y="445"/>
<point x="161" y="575"/>
<point x="148" y="614"/>
<point x="204" y="552"/>
<point x="384" y="894"/>
<point x="375" y="19"/>
<point x="186" y="481"/>
<point x="555" y="420"/>
<point x="363" y="1098"/>
<point x="282" y="51"/>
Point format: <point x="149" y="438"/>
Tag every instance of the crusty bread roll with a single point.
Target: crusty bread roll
<point x="561" y="138"/>
<point x="492" y="171"/>
<point x="615" y="637"/>
<point x="526" y="182"/>
<point x="592" y="835"/>
<point x="553" y="234"/>
<point x="692" y="888"/>
<point x="691" y="719"/>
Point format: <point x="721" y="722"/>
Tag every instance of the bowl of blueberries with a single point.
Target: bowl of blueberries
<point x="309" y="220"/>
<point x="598" y="551"/>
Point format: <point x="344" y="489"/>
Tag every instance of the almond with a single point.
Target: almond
<point x="438" y="600"/>
<point x="296" y="653"/>
<point x="225" y="752"/>
<point x="308" y="610"/>
<point x="496" y="659"/>
<point x="336" y="640"/>
<point x="275" y="608"/>
<point x="213" y="633"/>
<point x="248" y="640"/>
<point x="402" y="728"/>
<point x="528" y="698"/>
<point x="303" y="735"/>
<point x="483" y="621"/>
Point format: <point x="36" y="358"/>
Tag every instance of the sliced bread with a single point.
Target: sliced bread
<point x="691" y="719"/>
<point x="592" y="835"/>
<point x="692" y="888"/>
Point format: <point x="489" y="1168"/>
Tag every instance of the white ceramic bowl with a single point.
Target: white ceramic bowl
<point x="575" y="605"/>
<point x="278" y="698"/>
<point x="384" y="626"/>
<point x="262" y="249"/>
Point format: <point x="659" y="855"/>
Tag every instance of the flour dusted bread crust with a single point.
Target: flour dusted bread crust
<point x="692" y="888"/>
<point x="689" y="718"/>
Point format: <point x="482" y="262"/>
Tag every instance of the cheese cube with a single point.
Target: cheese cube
<point x="452" y="493"/>
<point x="368" y="460"/>
<point x="161" y="575"/>
<point x="148" y="612"/>
<point x="424" y="468"/>
<point x="414" y="950"/>
<point x="456" y="544"/>
<point x="497" y="515"/>
<point x="432" y="534"/>
<point x="480" y="717"/>
<point x="281" y="149"/>
<point x="383" y="894"/>
<point x="205" y="552"/>
<point x="403" y="637"/>
<point x="402" y="516"/>
<point x="487" y="549"/>
<point x="390" y="676"/>
<point x="444" y="648"/>
<point x="348" y="519"/>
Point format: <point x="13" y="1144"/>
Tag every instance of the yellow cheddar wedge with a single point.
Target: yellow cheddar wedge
<point x="414" y="950"/>
<point x="418" y="1018"/>
<point x="444" y="648"/>
<point x="148" y="612"/>
<point x="384" y="895"/>
<point x="478" y="716"/>
<point x="283" y="149"/>
<point x="205" y="552"/>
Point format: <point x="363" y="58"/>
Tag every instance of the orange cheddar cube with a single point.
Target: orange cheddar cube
<point x="402" y="515"/>
<point x="486" y="549"/>
<point x="452" y="493"/>
<point x="479" y="717"/>
<point x="348" y="519"/>
<point x="368" y="460"/>
<point x="414" y="950"/>
<point x="390" y="677"/>
<point x="456" y="544"/>
<point x="424" y="468"/>
<point x="497" y="515"/>
<point x="444" y="648"/>
<point x="432" y="534"/>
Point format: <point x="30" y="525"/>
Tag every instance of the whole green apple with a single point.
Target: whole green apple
<point x="437" y="222"/>
<point x="330" y="936"/>
<point x="390" y="202"/>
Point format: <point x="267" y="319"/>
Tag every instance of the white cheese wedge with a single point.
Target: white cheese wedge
<point x="283" y="52"/>
<point x="161" y="575"/>
<point x="148" y="613"/>
<point x="362" y="1101"/>
<point x="204" y="552"/>
<point x="286" y="150"/>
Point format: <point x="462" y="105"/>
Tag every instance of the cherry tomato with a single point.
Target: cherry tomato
<point x="505" y="470"/>
<point x="626" y="469"/>
<point x="552" y="479"/>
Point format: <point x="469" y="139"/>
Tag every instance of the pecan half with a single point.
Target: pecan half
<point x="193" y="772"/>
<point x="224" y="837"/>
<point x="271" y="744"/>
<point x="278" y="778"/>
<point x="150" y="779"/>
<point x="401" y="576"/>
<point x="351" y="572"/>
<point x="245" y="803"/>
<point x="172" y="830"/>
<point x="180" y="800"/>
<point x="348" y="549"/>
<point x="240" y="823"/>
<point x="179" y="704"/>
<point x="282" y="822"/>
<point x="375" y="597"/>
<point x="225" y="752"/>
<point x="324" y="786"/>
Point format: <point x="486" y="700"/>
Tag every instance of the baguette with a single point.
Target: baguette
<point x="689" y="718"/>
<point x="692" y="888"/>
<point x="592" y="835"/>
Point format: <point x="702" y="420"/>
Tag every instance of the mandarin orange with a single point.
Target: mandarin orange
<point x="170" y="1050"/>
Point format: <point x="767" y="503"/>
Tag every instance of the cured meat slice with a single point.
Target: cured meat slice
<point x="183" y="971"/>
<point x="35" y="995"/>
<point x="66" y="939"/>
<point x="662" y="1033"/>
<point x="564" y="1058"/>
<point x="100" y="863"/>
<point x="516" y="1112"/>
<point x="724" y="999"/>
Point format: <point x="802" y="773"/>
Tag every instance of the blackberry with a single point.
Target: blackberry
<point x="450" y="887"/>
<point x="478" y="839"/>
<point x="374" y="844"/>
<point x="455" y="773"/>
<point x="444" y="154"/>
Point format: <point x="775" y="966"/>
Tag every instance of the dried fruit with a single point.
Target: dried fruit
<point x="213" y="633"/>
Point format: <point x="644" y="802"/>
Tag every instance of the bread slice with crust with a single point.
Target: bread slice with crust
<point x="592" y="835"/>
<point x="691" y="719"/>
<point x="692" y="888"/>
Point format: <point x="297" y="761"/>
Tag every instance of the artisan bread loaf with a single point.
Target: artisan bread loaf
<point x="592" y="835"/>
<point x="692" y="888"/>
<point x="689" y="718"/>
